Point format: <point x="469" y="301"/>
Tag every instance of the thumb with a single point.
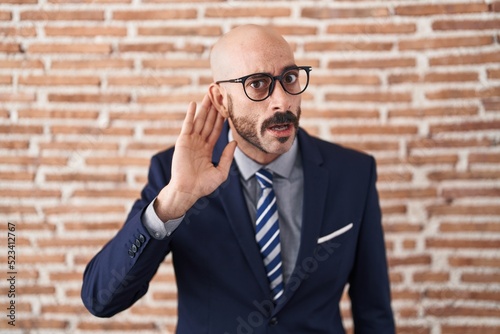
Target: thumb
<point x="226" y="158"/>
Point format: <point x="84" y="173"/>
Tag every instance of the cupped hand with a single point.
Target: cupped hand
<point x="193" y="173"/>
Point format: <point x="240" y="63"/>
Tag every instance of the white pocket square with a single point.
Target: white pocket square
<point x="335" y="233"/>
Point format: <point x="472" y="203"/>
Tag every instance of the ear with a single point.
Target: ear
<point x="218" y="98"/>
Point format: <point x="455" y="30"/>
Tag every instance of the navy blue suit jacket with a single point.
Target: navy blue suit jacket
<point x="221" y="280"/>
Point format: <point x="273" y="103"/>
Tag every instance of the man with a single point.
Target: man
<point x="245" y="263"/>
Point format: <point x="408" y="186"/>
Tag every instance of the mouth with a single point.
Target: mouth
<point x="281" y="125"/>
<point x="281" y="130"/>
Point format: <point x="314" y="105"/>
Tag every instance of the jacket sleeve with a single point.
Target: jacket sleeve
<point x="120" y="273"/>
<point x="369" y="289"/>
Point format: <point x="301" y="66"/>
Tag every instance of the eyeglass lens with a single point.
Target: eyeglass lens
<point x="259" y="86"/>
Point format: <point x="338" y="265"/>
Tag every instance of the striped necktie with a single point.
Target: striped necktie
<point x="268" y="234"/>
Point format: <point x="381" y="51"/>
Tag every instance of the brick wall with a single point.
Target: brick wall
<point x="89" y="90"/>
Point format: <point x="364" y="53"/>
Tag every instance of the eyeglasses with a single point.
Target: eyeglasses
<point x="259" y="86"/>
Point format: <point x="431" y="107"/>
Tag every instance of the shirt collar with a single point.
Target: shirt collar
<point x="281" y="166"/>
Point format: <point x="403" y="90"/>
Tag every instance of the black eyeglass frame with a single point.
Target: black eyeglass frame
<point x="242" y="80"/>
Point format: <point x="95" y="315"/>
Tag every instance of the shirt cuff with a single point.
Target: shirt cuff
<point x="155" y="226"/>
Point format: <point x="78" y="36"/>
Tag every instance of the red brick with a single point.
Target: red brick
<point x="294" y="29"/>
<point x="433" y="77"/>
<point x="40" y="324"/>
<point x="479" y="210"/>
<point x="145" y="15"/>
<point x="449" y="42"/>
<point x="409" y="260"/>
<point x="148" y="116"/>
<point x="23" y="31"/>
<point x="57" y="114"/>
<point x="22" y="129"/>
<point x="452" y="193"/>
<point x="347" y="46"/>
<point x="17" y="97"/>
<point x="463" y="226"/>
<point x="10" y="48"/>
<point x="408" y="193"/>
<point x="79" y="48"/>
<point x="470" y="59"/>
<point x="493" y="74"/>
<point x="70" y="242"/>
<point x="440" y="9"/>
<point x="402" y="228"/>
<point x="461" y="261"/>
<point x="90" y="209"/>
<point x="146" y="47"/>
<point x="180" y="31"/>
<point x="462" y="294"/>
<point x="5" y="16"/>
<point x="83" y="226"/>
<point x="152" y="80"/>
<point x="341" y="13"/>
<point x="30" y="193"/>
<point x="170" y="98"/>
<point x="17" y="176"/>
<point x="469" y="175"/>
<point x="382" y="97"/>
<point x="114" y="193"/>
<point x="92" y="64"/>
<point x="462" y="311"/>
<point x="372" y="63"/>
<point x="23" y="64"/>
<point x="118" y="161"/>
<point x="92" y="144"/>
<point x="229" y="12"/>
<point x="115" y="325"/>
<point x="370" y="28"/>
<point x="431" y="144"/>
<point x="85" y="31"/>
<point x="428" y="276"/>
<point x="87" y="130"/>
<point x="484" y="158"/>
<point x="467" y="126"/>
<point x="375" y="129"/>
<point x="492" y="104"/>
<point x="461" y="243"/>
<point x="54" y="80"/>
<point x="469" y="329"/>
<point x="85" y="177"/>
<point x="466" y="25"/>
<point x="176" y="63"/>
<point x="90" y="98"/>
<point x="481" y="278"/>
<point x="61" y="15"/>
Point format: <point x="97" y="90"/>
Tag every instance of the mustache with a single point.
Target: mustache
<point x="280" y="118"/>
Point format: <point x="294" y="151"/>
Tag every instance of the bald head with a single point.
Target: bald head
<point x="248" y="49"/>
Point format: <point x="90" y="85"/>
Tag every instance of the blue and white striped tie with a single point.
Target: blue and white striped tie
<point x="268" y="233"/>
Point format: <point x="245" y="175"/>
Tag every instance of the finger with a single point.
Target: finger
<point x="216" y="128"/>
<point x="201" y="115"/>
<point x="187" y="125"/>
<point x="210" y="121"/>
<point x="227" y="158"/>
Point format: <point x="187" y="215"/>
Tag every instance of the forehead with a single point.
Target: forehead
<point x="272" y="59"/>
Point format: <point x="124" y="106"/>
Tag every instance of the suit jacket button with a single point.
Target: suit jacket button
<point x="141" y="238"/>
<point x="131" y="254"/>
<point x="273" y="321"/>
<point x="138" y="243"/>
<point x="133" y="248"/>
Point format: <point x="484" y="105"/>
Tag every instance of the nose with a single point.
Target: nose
<point x="279" y="98"/>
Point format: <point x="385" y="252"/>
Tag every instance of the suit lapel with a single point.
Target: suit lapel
<point x="233" y="202"/>
<point x="315" y="190"/>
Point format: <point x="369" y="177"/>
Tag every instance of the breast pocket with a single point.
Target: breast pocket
<point x="335" y="234"/>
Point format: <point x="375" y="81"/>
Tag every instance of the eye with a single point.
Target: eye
<point x="290" y="77"/>
<point x="258" y="82"/>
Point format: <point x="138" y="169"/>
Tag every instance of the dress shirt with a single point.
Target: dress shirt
<point x="288" y="185"/>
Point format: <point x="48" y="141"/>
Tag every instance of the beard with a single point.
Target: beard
<point x="247" y="126"/>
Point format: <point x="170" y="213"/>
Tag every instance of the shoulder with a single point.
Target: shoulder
<point x="329" y="153"/>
